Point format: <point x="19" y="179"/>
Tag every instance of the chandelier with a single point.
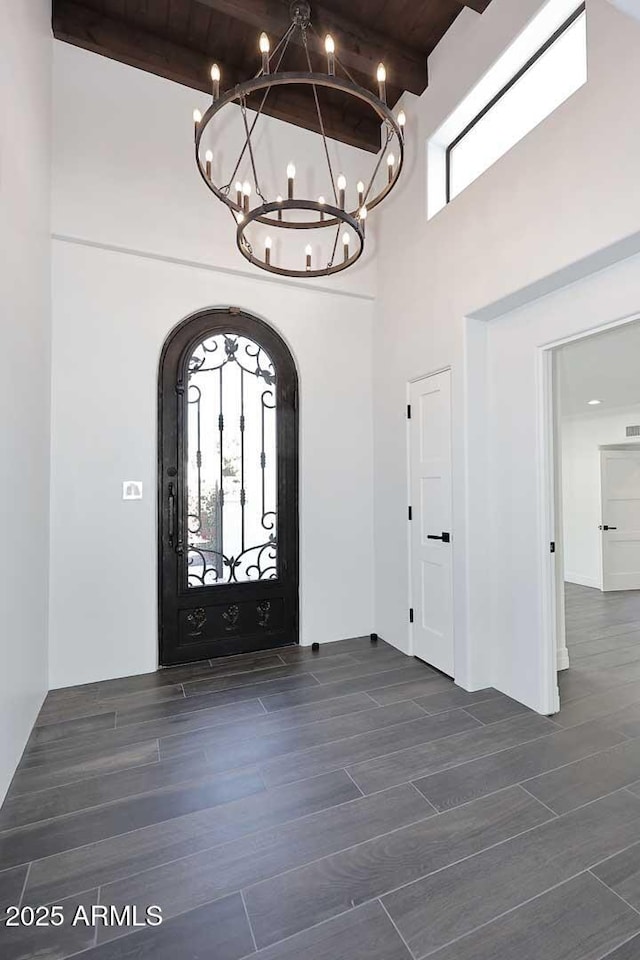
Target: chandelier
<point x="343" y="212"/>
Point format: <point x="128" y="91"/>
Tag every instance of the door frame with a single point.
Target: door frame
<point x="410" y="634"/>
<point x="290" y="485"/>
<point x="550" y="501"/>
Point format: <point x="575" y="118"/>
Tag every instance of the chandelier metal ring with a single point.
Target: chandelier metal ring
<point x="298" y="212"/>
<point x="259" y="215"/>
<point x="265" y="82"/>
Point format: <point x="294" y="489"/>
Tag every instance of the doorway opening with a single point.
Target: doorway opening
<point x="228" y="489"/>
<point x="597" y="517"/>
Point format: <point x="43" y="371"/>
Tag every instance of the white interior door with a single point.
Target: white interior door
<point x="431" y="548"/>
<point x="620" y="526"/>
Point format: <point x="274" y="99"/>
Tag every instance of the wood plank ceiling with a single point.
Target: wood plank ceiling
<point x="180" y="39"/>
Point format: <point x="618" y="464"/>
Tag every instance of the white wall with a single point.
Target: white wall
<point x="518" y="528"/>
<point x="25" y="64"/>
<point x="149" y="249"/>
<point x="540" y="217"/>
<point x="562" y="204"/>
<point x="581" y="439"/>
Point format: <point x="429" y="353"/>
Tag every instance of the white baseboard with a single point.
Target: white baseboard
<point x="563" y="659"/>
<point x="582" y="581"/>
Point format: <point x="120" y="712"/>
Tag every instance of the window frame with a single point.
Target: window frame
<point x="505" y="89"/>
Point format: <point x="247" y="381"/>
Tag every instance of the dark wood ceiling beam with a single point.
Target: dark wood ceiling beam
<point x="355" y="130"/>
<point x="358" y="47"/>
<point x="478" y="5"/>
<point x="137" y="47"/>
<point x="132" y="45"/>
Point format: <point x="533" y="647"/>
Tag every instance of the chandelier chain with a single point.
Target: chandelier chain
<point x="320" y="119"/>
<point x="284" y="41"/>
<point x="388" y="140"/>
<point x="243" y="108"/>
<point x="334" y="248"/>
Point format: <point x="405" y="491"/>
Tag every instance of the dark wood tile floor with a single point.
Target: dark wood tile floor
<point x="346" y="805"/>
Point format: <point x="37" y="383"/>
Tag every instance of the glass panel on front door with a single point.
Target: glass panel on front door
<point x="231" y="471"/>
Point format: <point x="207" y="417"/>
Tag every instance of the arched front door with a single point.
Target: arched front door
<point x="228" y="489"/>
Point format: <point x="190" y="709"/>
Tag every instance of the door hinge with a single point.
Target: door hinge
<point x="408" y="411"/>
<point x="552" y="547"/>
<point x="410" y="614"/>
<point x="410" y="514"/>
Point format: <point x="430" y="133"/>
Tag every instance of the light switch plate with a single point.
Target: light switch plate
<point x="132" y="489"/>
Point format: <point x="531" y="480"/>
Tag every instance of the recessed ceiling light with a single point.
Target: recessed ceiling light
<point x="594" y="403"/>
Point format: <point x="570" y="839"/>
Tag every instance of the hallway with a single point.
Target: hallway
<point x="603" y="639"/>
<point x="347" y="804"/>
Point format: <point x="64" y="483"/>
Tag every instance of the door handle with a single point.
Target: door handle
<point x="605" y="527"/>
<point x="445" y="537"/>
<point x="172" y="514"/>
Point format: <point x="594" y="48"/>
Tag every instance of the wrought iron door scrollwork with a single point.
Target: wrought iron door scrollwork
<point x="231" y="616"/>
<point x="231" y="463"/>
<point x="228" y="468"/>
<point x="197" y="619"/>
<point x="264" y="613"/>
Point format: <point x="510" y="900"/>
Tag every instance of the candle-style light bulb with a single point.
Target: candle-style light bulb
<point x="381" y="75"/>
<point x="360" y="189"/>
<point x="215" y="81"/>
<point x="345" y="245"/>
<point x="197" y="117"/>
<point x="279" y="200"/>
<point x="267" y="250"/>
<point x="265" y="47"/>
<point x="390" y="165"/>
<point x="321" y="201"/>
<point x="402" y="119"/>
<point x="342" y="186"/>
<point x="246" y="193"/>
<point x="330" y="48"/>
<point x="291" y="175"/>
<point x="362" y="214"/>
<point x="208" y="157"/>
<point x="238" y="193"/>
<point x="308" y="251"/>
